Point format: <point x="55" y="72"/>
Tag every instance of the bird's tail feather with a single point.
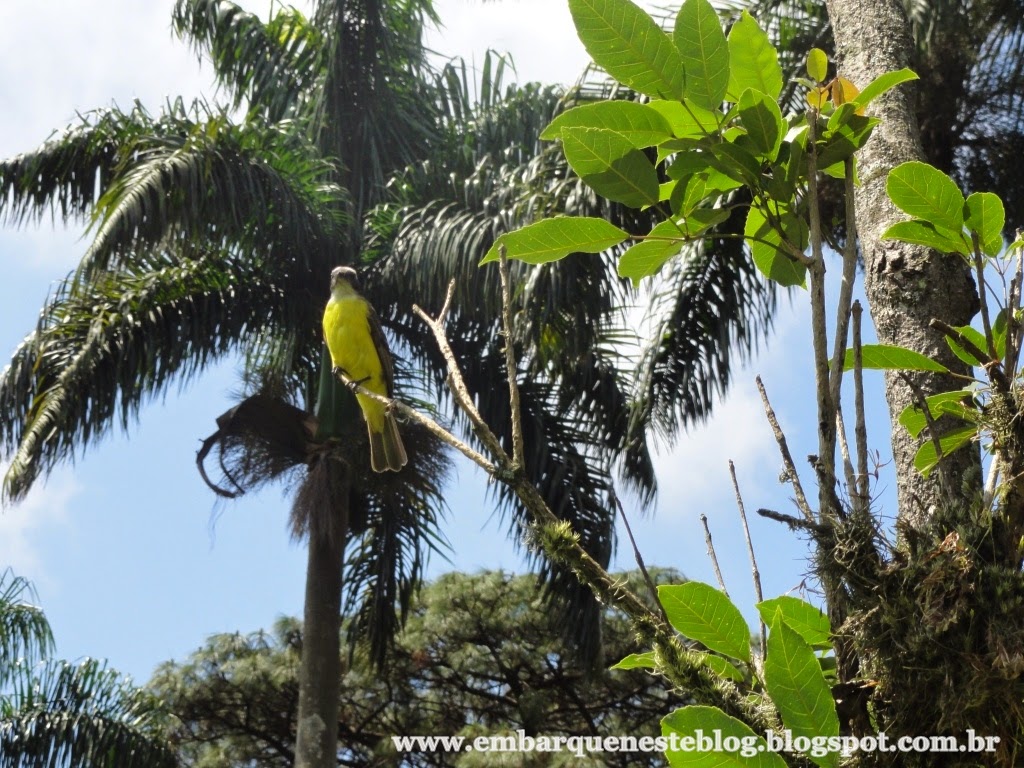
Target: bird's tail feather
<point x="386" y="449"/>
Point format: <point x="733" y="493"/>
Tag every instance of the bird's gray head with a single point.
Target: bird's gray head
<point x="346" y="274"/>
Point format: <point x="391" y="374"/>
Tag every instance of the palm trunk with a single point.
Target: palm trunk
<point x="316" y="743"/>
<point x="906" y="285"/>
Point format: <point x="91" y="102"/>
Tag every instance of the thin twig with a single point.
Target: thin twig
<point x="787" y="457"/>
<point x="846" y="288"/>
<point x="794" y="523"/>
<point x="860" y="430"/>
<point x="510" y="359"/>
<point x="933" y="432"/>
<point x="753" y="558"/>
<point x="992" y="367"/>
<point x="639" y="558"/>
<point x="412" y="414"/>
<point x="844" y="451"/>
<point x="712" y="554"/>
<point x="986" y="321"/>
<point x="825" y="467"/>
<point x="459" y="391"/>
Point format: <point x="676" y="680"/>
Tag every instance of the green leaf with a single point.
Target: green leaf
<point x="753" y="61"/>
<point x="806" y="620"/>
<point x="611" y="165"/>
<point x="942" y="404"/>
<point x="926" y="458"/>
<point x="637" y="661"/>
<point x="845" y="139"/>
<point x="736" y="163"/>
<point x="984" y="215"/>
<point x="765" y="241"/>
<point x="702" y="613"/>
<point x="711" y="722"/>
<point x="817" y="65"/>
<point x="649" y="255"/>
<point x="925" y="192"/>
<point x="924" y="233"/>
<point x="687" y="119"/>
<point x="627" y="43"/>
<point x="886" y="357"/>
<point x="883" y="83"/>
<point x="999" y="333"/>
<point x="641" y="125"/>
<point x="720" y="666"/>
<point x="797" y="685"/>
<point x="762" y="118"/>
<point x="973" y="335"/>
<point x="553" y="239"/>
<point x="704" y="51"/>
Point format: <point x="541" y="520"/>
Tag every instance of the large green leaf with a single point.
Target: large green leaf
<point x="942" y="404"/>
<point x="553" y="239"/>
<point x="808" y="621"/>
<point x="925" y="192"/>
<point x="886" y="357"/>
<point x="753" y="61"/>
<point x="638" y="123"/>
<point x="698" y="749"/>
<point x="765" y="241"/>
<point x="703" y="48"/>
<point x="975" y="337"/>
<point x="609" y="163"/>
<point x="627" y="43"/>
<point x="762" y="118"/>
<point x="687" y="118"/>
<point x="925" y="233"/>
<point x="883" y="83"/>
<point x="984" y="214"/>
<point x="798" y="687"/>
<point x="702" y="613"/>
<point x="637" y="661"/>
<point x="926" y="457"/>
<point x="646" y="257"/>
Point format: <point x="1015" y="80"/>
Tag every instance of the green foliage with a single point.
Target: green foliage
<point x="793" y="678"/>
<point x="809" y="622"/>
<point x="685" y="723"/>
<point x="75" y="715"/>
<point x="702" y="613"/>
<point x="479" y="655"/>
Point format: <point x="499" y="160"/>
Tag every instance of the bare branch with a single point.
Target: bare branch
<point x="510" y="359"/>
<point x="860" y="430"/>
<point x="712" y="554"/>
<point x="753" y="558"/>
<point x="787" y="457"/>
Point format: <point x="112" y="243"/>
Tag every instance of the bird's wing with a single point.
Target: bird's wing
<point x="383" y="351"/>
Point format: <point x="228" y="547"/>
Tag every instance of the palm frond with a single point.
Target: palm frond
<point x="394" y="526"/>
<point x="711" y="307"/>
<point x="101" y="349"/>
<point x="80" y="716"/>
<point x="273" y="66"/>
<point x="219" y="183"/>
<point x="25" y="634"/>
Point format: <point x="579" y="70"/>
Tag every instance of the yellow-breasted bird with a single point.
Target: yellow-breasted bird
<point x="358" y="347"/>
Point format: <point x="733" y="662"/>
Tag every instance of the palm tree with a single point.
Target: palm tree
<point x="214" y="236"/>
<point x="56" y="713"/>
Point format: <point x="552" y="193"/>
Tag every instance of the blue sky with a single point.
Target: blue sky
<point x="133" y="558"/>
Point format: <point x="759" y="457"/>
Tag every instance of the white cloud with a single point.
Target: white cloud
<point x="22" y="525"/>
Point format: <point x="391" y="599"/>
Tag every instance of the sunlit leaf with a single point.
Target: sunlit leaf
<point x="627" y="43"/>
<point x="704" y="51"/>
<point x="553" y="239"/>
<point x="611" y="165"/>
<point x="925" y="192"/>
<point x="638" y="123"/>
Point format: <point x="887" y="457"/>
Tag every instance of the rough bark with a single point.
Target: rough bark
<point x="316" y="743"/>
<point x="906" y="285"/>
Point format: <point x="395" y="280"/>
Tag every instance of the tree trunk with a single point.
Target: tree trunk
<point x="906" y="285"/>
<point x="316" y="743"/>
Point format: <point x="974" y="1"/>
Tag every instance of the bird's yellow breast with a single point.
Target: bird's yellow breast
<point x="347" y="332"/>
